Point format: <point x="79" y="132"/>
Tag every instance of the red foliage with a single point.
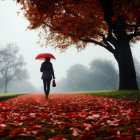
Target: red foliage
<point x="69" y="116"/>
<point x="68" y="21"/>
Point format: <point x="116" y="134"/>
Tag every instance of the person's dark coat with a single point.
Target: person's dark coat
<point x="47" y="70"/>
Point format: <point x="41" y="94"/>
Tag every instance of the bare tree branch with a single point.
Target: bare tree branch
<point x="106" y="42"/>
<point x="134" y="34"/>
<point x="47" y="24"/>
<point x="110" y="49"/>
<point x="111" y="39"/>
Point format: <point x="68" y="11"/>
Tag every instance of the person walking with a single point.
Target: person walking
<point x="47" y="75"/>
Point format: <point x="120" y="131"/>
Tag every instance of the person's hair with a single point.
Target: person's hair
<point x="47" y="59"/>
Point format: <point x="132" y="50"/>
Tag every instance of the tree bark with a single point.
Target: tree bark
<point x="127" y="73"/>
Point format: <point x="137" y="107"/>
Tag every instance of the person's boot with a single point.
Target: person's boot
<point x="46" y="96"/>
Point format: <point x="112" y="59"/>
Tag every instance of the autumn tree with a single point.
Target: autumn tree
<point x="11" y="65"/>
<point x="111" y="24"/>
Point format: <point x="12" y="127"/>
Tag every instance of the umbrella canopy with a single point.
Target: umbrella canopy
<point x="42" y="56"/>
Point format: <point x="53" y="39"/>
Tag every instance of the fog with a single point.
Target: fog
<point x="137" y="68"/>
<point x="14" y="76"/>
<point x="18" y="86"/>
<point x="13" y="30"/>
<point x="100" y="75"/>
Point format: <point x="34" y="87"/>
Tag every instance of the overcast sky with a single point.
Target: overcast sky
<point x="13" y="30"/>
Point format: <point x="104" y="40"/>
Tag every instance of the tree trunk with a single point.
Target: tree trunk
<point x="122" y="50"/>
<point x="127" y="74"/>
<point x="6" y="82"/>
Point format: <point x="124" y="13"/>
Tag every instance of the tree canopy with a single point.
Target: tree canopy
<point x="79" y="22"/>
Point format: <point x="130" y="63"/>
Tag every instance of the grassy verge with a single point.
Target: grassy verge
<point x="10" y="95"/>
<point x="123" y="94"/>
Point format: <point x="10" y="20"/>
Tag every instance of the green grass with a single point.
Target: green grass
<point x="9" y="95"/>
<point x="121" y="94"/>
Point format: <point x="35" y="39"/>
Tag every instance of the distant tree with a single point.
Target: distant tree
<point x="21" y="86"/>
<point x="76" y="77"/>
<point x="11" y="64"/>
<point x="104" y="74"/>
<point x="111" y="24"/>
<point x="1" y="83"/>
<point x="101" y="75"/>
<point x="16" y="86"/>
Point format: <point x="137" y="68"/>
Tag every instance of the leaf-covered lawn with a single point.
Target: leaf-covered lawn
<point x="69" y="116"/>
<point x="10" y="95"/>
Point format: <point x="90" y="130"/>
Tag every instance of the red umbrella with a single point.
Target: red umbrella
<point x="42" y="56"/>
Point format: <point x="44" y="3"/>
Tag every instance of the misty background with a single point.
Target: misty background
<point x="100" y="75"/>
<point x="94" y="68"/>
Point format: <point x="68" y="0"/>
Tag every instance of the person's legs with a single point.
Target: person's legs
<point x="45" y="82"/>
<point x="48" y="86"/>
